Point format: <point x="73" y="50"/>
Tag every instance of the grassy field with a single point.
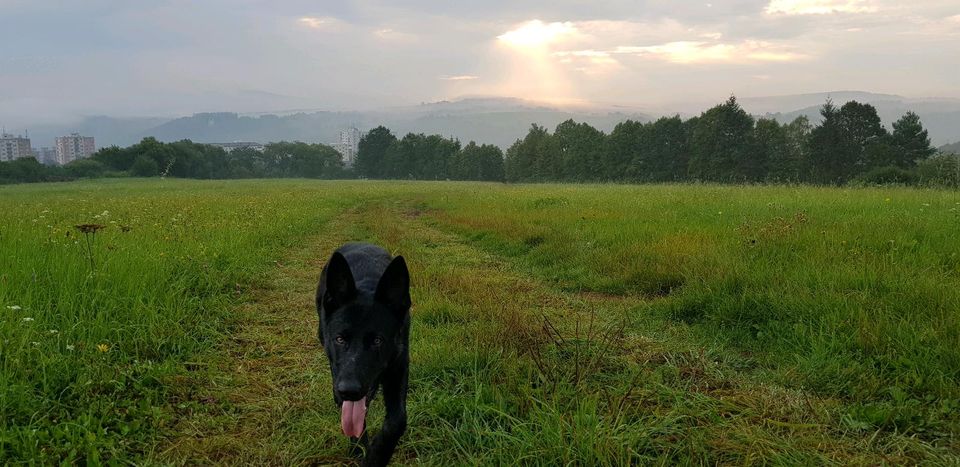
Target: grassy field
<point x="585" y="324"/>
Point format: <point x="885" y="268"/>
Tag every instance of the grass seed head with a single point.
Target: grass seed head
<point x="90" y="228"/>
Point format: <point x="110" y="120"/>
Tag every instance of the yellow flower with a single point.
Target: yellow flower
<point x="103" y="347"/>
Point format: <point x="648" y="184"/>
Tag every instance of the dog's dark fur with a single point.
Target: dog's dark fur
<point x="363" y="301"/>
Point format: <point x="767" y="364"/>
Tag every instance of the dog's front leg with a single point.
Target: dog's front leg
<point x="394" y="421"/>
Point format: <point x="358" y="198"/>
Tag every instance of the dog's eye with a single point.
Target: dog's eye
<point x="340" y="340"/>
<point x="377" y="340"/>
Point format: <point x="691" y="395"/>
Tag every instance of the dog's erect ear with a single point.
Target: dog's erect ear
<point x="340" y="285"/>
<point x="394" y="286"/>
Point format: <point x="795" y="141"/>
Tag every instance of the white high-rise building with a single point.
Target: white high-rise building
<point x="73" y="147"/>
<point x="348" y="145"/>
<point x="46" y="155"/>
<point x="14" y="147"/>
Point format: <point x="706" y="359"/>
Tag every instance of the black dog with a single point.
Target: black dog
<point x="363" y="301"/>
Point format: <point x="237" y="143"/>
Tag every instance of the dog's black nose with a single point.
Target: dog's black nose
<point x="350" y="391"/>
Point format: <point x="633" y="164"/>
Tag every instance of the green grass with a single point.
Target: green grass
<point x="588" y="324"/>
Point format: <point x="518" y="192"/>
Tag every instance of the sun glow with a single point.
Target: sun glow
<point x="532" y="70"/>
<point x="536" y="34"/>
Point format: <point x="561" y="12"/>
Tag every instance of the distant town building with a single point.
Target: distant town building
<point x="73" y="147"/>
<point x="14" y="147"/>
<point x="348" y="145"/>
<point x="46" y="155"/>
<point x="228" y="147"/>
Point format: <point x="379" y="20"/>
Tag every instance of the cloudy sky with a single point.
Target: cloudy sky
<point x="61" y="59"/>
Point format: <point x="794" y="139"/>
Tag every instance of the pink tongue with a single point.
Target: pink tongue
<point x="352" y="414"/>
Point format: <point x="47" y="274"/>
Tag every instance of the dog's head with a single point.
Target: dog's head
<point x="364" y="330"/>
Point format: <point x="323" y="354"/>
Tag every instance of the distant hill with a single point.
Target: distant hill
<point x="941" y="117"/>
<point x="779" y="104"/>
<point x="106" y="130"/>
<point x="488" y="120"/>
<point x="953" y="148"/>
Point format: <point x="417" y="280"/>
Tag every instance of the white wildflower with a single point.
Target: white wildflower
<point x="27" y="319"/>
<point x="70" y="347"/>
<point x="13" y="307"/>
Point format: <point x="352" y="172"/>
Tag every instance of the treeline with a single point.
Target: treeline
<point x="425" y="157"/>
<point x="186" y="159"/>
<point x="727" y="145"/>
<point x="724" y="144"/>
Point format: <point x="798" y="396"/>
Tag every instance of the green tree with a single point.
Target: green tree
<point x="475" y="162"/>
<point x="246" y="163"/>
<point x="794" y="164"/>
<point x="491" y="163"/>
<point x="772" y="142"/>
<point x="372" y="150"/>
<point x="434" y="158"/>
<point x="84" y="168"/>
<point x="845" y="141"/>
<point x="580" y="149"/>
<point x="534" y="158"/>
<point x="28" y="169"/>
<point x="621" y="151"/>
<point x="114" y="158"/>
<point x="911" y="141"/>
<point x="829" y="156"/>
<point x="144" y="166"/>
<point x="723" y="146"/>
<point x="941" y="170"/>
<point x="418" y="156"/>
<point x="864" y="134"/>
<point x="299" y="159"/>
<point x="664" y="153"/>
<point x="188" y="160"/>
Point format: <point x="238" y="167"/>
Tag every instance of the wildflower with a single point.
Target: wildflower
<point x="27" y="319"/>
<point x="89" y="228"/>
<point x="35" y="343"/>
<point x="70" y="347"/>
<point x="13" y="307"/>
<point x="887" y="200"/>
<point x="53" y="332"/>
<point x="103" y="347"/>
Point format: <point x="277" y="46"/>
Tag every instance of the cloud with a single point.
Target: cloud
<point x="390" y="34"/>
<point x="459" y="77"/>
<point x="819" y="7"/>
<point x="324" y="23"/>
<point x="370" y="53"/>
<point x="694" y="52"/>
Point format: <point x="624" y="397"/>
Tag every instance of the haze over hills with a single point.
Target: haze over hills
<point x="940" y="116"/>
<point x="493" y="120"/>
<point x="497" y="121"/>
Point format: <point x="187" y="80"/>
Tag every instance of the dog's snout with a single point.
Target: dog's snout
<point x="350" y="390"/>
